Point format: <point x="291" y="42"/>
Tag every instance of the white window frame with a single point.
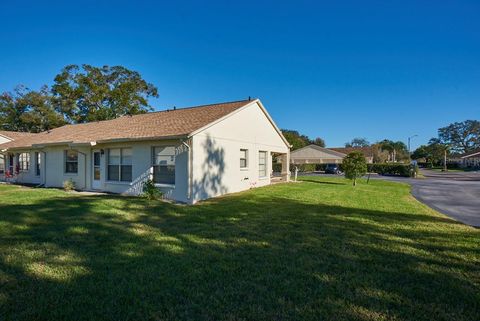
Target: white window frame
<point x="65" y="156"/>
<point x="23" y="161"/>
<point x="244" y="155"/>
<point x="153" y="159"/>
<point x="262" y="152"/>
<point x="120" y="164"/>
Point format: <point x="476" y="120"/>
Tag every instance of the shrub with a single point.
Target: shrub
<point x="69" y="185"/>
<point x="150" y="191"/>
<point x="391" y="169"/>
<point x="354" y="166"/>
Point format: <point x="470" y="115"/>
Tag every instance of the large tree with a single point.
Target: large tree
<point x="462" y="137"/>
<point x="398" y="150"/>
<point x="28" y="111"/>
<point x="296" y="139"/>
<point x="87" y="93"/>
<point x="358" y="142"/>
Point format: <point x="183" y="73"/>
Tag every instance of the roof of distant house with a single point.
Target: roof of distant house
<point x="471" y="154"/>
<point x="15" y="135"/>
<point x="366" y="151"/>
<point x="173" y="123"/>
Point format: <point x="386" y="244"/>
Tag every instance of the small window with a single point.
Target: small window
<point x="163" y="162"/>
<point x="262" y="164"/>
<point x="23" y="162"/>
<point x="120" y="164"/>
<point x="71" y="162"/>
<point x="243" y="158"/>
<point x="2" y="164"/>
<point x="38" y="162"/>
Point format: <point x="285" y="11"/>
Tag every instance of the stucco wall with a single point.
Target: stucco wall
<point x="216" y="153"/>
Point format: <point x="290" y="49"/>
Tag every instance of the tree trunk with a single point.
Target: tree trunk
<point x="354" y="182"/>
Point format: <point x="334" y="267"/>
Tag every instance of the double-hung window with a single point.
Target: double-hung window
<point x="120" y="164"/>
<point x="24" y="161"/>
<point x="163" y="160"/>
<point x="262" y="164"/>
<point x="71" y="162"/>
<point x="243" y="158"/>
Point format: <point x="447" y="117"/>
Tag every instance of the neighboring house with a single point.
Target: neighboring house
<point x="191" y="153"/>
<point x="471" y="160"/>
<point x="5" y="137"/>
<point x="313" y="154"/>
<point x="368" y="151"/>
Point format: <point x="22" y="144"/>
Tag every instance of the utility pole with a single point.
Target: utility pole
<point x="409" y="138"/>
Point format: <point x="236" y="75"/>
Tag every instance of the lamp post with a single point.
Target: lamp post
<point x="409" y="138"/>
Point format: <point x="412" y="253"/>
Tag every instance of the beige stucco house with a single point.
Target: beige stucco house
<point x="191" y="153"/>
<point x="313" y="154"/>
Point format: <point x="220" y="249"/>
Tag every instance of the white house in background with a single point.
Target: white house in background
<point x="471" y="160"/>
<point x="5" y="137"/>
<point x="313" y="154"/>
<point x="191" y="153"/>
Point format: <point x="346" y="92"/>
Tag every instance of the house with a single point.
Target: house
<point x="471" y="160"/>
<point x="8" y="136"/>
<point x="313" y="154"/>
<point x="367" y="151"/>
<point x="190" y="153"/>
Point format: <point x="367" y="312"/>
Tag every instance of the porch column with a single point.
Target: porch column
<point x="285" y="158"/>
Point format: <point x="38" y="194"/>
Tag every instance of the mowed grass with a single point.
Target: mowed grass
<point x="316" y="250"/>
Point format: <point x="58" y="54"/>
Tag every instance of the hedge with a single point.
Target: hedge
<point x="382" y="169"/>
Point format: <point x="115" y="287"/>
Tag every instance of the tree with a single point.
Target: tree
<point x="394" y="148"/>
<point x="295" y="139"/>
<point x="358" y="142"/>
<point x="319" y="142"/>
<point x="463" y="137"/>
<point x="355" y="166"/>
<point x="433" y="153"/>
<point x="89" y="93"/>
<point x="28" y="111"/>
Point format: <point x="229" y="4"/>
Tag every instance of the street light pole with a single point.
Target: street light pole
<point x="409" y="138"/>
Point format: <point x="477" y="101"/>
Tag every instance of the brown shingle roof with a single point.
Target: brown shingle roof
<point x="171" y="123"/>
<point x="15" y="135"/>
<point x="366" y="151"/>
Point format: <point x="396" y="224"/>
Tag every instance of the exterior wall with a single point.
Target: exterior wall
<point x="53" y="169"/>
<point x="4" y="139"/>
<point x="216" y="154"/>
<point x="25" y="176"/>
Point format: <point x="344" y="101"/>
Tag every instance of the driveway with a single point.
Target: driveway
<point x="456" y="194"/>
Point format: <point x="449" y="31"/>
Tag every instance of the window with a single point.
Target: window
<point x="10" y="163"/>
<point x="71" y="162"/>
<point x="120" y="164"/>
<point x="2" y="164"/>
<point x="262" y="164"/>
<point x="23" y="162"/>
<point x="164" y="165"/>
<point x="243" y="158"/>
<point x="38" y="162"/>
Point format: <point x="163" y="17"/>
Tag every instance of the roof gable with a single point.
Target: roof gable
<point x="314" y="151"/>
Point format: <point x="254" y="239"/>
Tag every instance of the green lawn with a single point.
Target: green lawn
<point x="315" y="250"/>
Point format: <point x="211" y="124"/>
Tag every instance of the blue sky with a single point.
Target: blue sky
<point x="334" y="69"/>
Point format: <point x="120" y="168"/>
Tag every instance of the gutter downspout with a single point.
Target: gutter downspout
<point x="189" y="170"/>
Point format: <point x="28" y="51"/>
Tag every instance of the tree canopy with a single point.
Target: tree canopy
<point x="298" y="140"/>
<point x="358" y="142"/>
<point x="462" y="137"/>
<point x="355" y="166"/>
<point x="79" y="94"/>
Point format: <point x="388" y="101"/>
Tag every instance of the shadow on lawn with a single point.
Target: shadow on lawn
<point x="320" y="182"/>
<point x="233" y="258"/>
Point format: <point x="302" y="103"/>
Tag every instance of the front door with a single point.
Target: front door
<point x="97" y="170"/>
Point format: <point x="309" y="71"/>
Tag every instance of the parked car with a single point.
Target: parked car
<point x="332" y="169"/>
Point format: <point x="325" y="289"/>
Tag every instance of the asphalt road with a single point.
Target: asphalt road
<point x="455" y="194"/>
